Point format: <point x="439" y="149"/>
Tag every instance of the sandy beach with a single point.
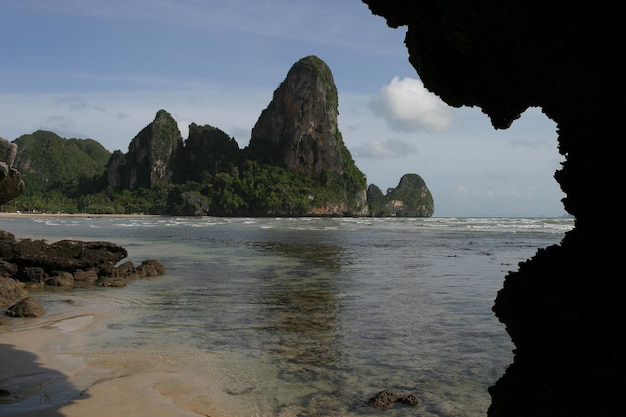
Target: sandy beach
<point x="47" y="372"/>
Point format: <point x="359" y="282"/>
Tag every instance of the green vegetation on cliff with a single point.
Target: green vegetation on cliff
<point x="296" y="164"/>
<point x="47" y="161"/>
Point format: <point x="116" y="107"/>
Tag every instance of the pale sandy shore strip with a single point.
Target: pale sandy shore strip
<point x="46" y="372"/>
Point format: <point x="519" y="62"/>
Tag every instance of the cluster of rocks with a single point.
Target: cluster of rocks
<point x="27" y="263"/>
<point x="385" y="398"/>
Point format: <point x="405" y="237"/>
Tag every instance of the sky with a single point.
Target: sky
<point x="101" y="69"/>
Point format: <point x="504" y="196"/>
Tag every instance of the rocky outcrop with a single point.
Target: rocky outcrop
<point x="8" y="151"/>
<point x="411" y="198"/>
<point x="11" y="182"/>
<point x="385" y="398"/>
<point x="27" y="307"/>
<point x="11" y="291"/>
<point x="299" y="131"/>
<point x="28" y="263"/>
<point x="207" y="150"/>
<point x="148" y="161"/>
<point x="564" y="307"/>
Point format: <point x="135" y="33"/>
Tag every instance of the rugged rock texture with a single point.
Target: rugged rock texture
<point x="147" y="163"/>
<point x="33" y="263"/>
<point x="206" y="150"/>
<point x="411" y="198"/>
<point x="27" y="307"/>
<point x="385" y="398"/>
<point x="11" y="183"/>
<point x="8" y="151"/>
<point x="299" y="131"/>
<point x="564" y="308"/>
<point x="11" y="291"/>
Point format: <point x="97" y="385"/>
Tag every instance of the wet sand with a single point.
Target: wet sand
<point x="47" y="372"/>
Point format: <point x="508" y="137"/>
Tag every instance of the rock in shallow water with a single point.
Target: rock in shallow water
<point x="385" y="398"/>
<point x="28" y="307"/>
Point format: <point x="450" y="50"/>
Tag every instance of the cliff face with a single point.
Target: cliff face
<point x="411" y="198"/>
<point x="147" y="163"/>
<point x="11" y="183"/>
<point x="299" y="131"/>
<point x="206" y="150"/>
<point x="563" y="309"/>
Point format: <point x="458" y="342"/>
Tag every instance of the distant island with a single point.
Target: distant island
<point x="296" y="164"/>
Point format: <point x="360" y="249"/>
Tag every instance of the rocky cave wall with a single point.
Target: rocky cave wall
<point x="563" y="308"/>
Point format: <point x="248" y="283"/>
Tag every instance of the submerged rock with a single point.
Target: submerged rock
<point x="385" y="398"/>
<point x="28" y="307"/>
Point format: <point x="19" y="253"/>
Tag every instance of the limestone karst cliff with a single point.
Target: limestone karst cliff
<point x="11" y="182"/>
<point x="207" y="150"/>
<point x="296" y="164"/>
<point x="299" y="130"/>
<point x="147" y="163"/>
<point x="411" y="198"/>
<point x="563" y="308"/>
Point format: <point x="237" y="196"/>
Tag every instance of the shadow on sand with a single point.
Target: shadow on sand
<point x="29" y="389"/>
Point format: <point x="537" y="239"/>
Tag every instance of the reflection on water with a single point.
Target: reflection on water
<point x="301" y="306"/>
<point x="303" y="317"/>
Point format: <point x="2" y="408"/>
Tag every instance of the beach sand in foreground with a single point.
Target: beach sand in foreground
<point x="46" y="372"/>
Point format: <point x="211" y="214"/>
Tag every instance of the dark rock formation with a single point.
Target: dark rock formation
<point x="11" y="182"/>
<point x="299" y="131"/>
<point x="147" y="163"/>
<point x="207" y="150"/>
<point x="116" y="168"/>
<point x="11" y="291"/>
<point x="27" y="262"/>
<point x="64" y="255"/>
<point x="8" y="151"/>
<point x="563" y="309"/>
<point x="27" y="307"/>
<point x="385" y="398"/>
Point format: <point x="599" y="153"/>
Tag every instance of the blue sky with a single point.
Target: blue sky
<point x="102" y="69"/>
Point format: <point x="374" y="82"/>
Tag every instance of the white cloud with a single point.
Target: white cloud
<point x="407" y="106"/>
<point x="391" y="148"/>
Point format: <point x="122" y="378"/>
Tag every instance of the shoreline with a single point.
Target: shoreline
<point x="52" y="365"/>
<point x="83" y="215"/>
<point x="50" y="370"/>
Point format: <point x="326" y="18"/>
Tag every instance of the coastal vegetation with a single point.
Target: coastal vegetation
<point x="296" y="164"/>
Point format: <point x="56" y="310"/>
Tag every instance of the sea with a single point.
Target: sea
<point x="311" y="316"/>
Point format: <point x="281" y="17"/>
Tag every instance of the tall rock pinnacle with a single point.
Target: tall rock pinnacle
<point x="149" y="153"/>
<point x="298" y="129"/>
